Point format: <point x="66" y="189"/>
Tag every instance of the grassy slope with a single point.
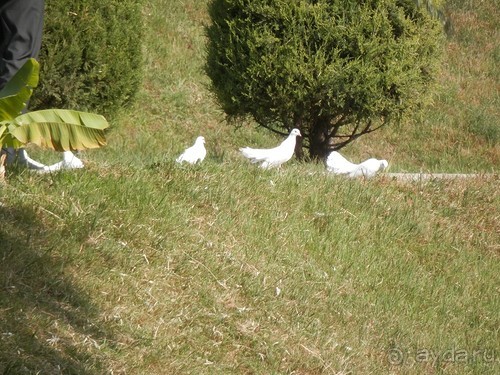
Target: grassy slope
<point x="138" y="266"/>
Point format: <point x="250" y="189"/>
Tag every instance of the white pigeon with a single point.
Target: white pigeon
<point x="24" y="159"/>
<point x="273" y="157"/>
<point x="70" y="161"/>
<point x="337" y="164"/>
<point x="194" y="154"/>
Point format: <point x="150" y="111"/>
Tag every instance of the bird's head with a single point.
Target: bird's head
<point x="200" y="139"/>
<point x="296" y="132"/>
<point x="383" y="164"/>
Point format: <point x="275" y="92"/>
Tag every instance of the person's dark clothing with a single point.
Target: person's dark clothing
<point x="21" y="23"/>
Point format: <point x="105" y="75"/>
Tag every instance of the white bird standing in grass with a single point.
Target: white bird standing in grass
<point x="70" y="161"/>
<point x="194" y="154"/>
<point x="273" y="157"/>
<point x="29" y="162"/>
<point x="337" y="164"/>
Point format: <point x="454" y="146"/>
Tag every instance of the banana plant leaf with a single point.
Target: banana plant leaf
<point x="16" y="93"/>
<point x="6" y="138"/>
<point x="59" y="129"/>
<point x="67" y="116"/>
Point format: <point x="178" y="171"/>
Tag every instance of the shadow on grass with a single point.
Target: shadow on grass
<point x="38" y="301"/>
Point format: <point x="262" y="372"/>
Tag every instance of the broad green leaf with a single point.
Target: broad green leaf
<point x="16" y="93"/>
<point x="6" y="138"/>
<point x="59" y="136"/>
<point x="92" y="120"/>
<point x="3" y="134"/>
<point x="59" y="129"/>
<point x="89" y="120"/>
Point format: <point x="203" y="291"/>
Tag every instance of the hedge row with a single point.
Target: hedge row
<point x="91" y="55"/>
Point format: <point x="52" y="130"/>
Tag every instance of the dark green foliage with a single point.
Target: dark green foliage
<point x="336" y="69"/>
<point x="91" y="56"/>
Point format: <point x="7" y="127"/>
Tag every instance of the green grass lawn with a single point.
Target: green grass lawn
<point x="136" y="265"/>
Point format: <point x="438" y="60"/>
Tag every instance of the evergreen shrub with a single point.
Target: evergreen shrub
<point x="335" y="69"/>
<point x="91" y="57"/>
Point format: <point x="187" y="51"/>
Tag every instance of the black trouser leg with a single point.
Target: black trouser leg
<point x="21" y="24"/>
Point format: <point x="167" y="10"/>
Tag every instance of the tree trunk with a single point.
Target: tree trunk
<point x="299" y="151"/>
<point x="319" y="140"/>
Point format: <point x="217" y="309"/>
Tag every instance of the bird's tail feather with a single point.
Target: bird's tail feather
<point x="254" y="154"/>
